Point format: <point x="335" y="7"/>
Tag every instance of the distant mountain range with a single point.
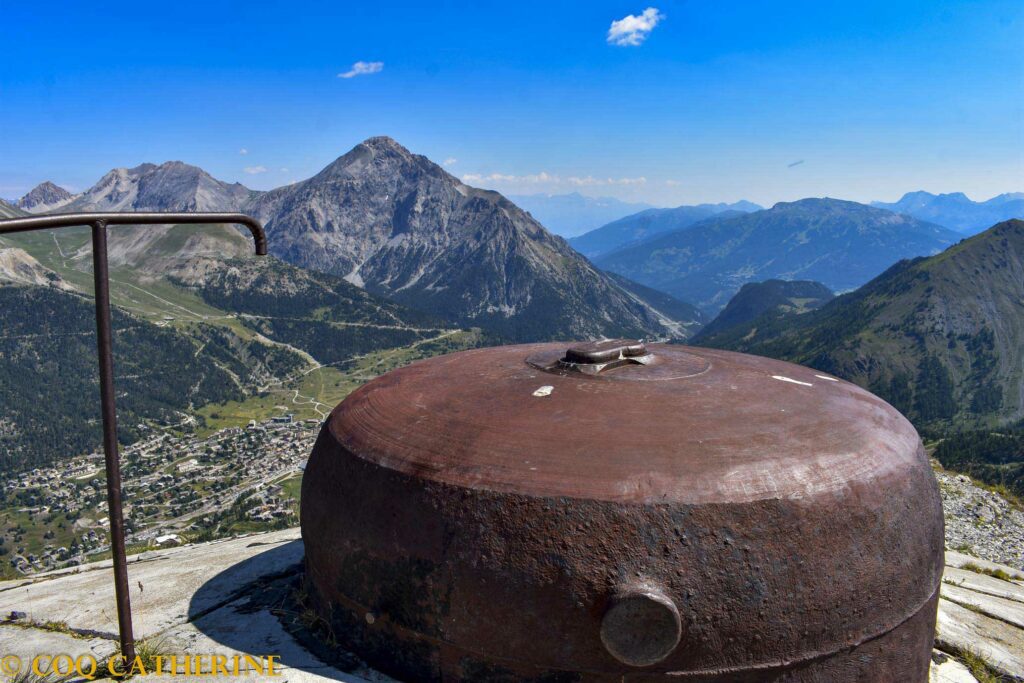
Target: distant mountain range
<point x="941" y="338"/>
<point x="956" y="211"/>
<point x="644" y="225"/>
<point x="399" y="226"/>
<point x="769" y="299"/>
<point x="573" y="214"/>
<point x="838" y="243"/>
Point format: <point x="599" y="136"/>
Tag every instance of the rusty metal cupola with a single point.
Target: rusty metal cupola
<point x="619" y="511"/>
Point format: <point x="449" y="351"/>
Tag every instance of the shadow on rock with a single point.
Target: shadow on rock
<point x="258" y="607"/>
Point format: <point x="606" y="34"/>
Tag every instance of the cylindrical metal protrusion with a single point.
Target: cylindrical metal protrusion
<point x="641" y="627"/>
<point x="605" y="351"/>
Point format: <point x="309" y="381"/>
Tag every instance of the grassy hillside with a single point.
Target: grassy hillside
<point x="246" y="331"/>
<point x="940" y="338"/>
<point x="771" y="298"/>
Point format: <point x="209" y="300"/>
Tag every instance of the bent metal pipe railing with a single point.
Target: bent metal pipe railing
<point x="99" y="222"/>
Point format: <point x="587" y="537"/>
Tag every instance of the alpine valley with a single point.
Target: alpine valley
<point x="383" y="257"/>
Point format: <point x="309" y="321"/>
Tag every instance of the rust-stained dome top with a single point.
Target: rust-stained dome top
<point x="624" y="422"/>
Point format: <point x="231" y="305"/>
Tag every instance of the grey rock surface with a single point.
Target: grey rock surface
<point x="981" y="521"/>
<point x="1010" y="611"/>
<point x="44" y="197"/>
<point x="1001" y="645"/>
<point x="210" y="599"/>
<point x="400" y="225"/>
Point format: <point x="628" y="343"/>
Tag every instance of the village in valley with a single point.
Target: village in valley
<point x="178" y="487"/>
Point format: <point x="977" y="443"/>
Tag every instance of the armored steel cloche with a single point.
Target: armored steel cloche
<point x="619" y="511"/>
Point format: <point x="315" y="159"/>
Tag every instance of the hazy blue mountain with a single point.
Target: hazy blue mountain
<point x="650" y="223"/>
<point x="573" y="214"/>
<point x="757" y="302"/>
<point x="838" y="243"/>
<point x="955" y="210"/>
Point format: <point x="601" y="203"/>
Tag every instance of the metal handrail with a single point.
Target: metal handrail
<point x="101" y="277"/>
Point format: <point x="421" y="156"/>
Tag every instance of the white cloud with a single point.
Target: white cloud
<point x="284" y="170"/>
<point x="362" y="69"/>
<point x="549" y="179"/>
<point x="632" y="30"/>
<point x="673" y="183"/>
<point x="530" y="179"/>
<point x="589" y="181"/>
<point x="450" y="161"/>
<point x="254" y="170"/>
<point x="243" y="151"/>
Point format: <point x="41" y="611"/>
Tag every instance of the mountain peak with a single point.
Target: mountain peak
<point x="397" y="224"/>
<point x="957" y="211"/>
<point x="44" y="197"/>
<point x="170" y="186"/>
<point x="371" y="157"/>
<point x="819" y="203"/>
<point x="384" y="142"/>
<point x="916" y="195"/>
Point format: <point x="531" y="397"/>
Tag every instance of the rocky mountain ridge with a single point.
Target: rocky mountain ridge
<point x="44" y="197"/>
<point x="400" y="226"/>
<point x="955" y="210"/>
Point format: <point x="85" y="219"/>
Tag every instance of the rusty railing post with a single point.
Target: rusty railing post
<point x="112" y="457"/>
<point x="105" y="351"/>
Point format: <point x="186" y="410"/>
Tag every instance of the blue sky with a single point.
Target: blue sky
<point x="715" y="102"/>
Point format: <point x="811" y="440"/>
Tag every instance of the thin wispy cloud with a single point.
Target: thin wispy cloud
<point x="255" y="170"/>
<point x="795" y="163"/>
<point x="590" y="181"/>
<point x="450" y="161"/>
<point x="529" y="179"/>
<point x="673" y="183"/>
<point x="363" y="69"/>
<point x="549" y="179"/>
<point x="243" y="151"/>
<point x="633" y="29"/>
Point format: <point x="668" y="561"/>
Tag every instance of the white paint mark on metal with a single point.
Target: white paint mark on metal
<point x="830" y="379"/>
<point x="544" y="390"/>
<point x="792" y="381"/>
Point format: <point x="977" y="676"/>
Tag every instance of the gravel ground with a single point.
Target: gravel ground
<point x="980" y="522"/>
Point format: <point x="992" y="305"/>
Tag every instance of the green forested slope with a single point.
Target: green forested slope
<point x="49" y="386"/>
<point x="941" y="338"/>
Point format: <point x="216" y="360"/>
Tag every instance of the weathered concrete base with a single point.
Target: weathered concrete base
<point x="225" y="598"/>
